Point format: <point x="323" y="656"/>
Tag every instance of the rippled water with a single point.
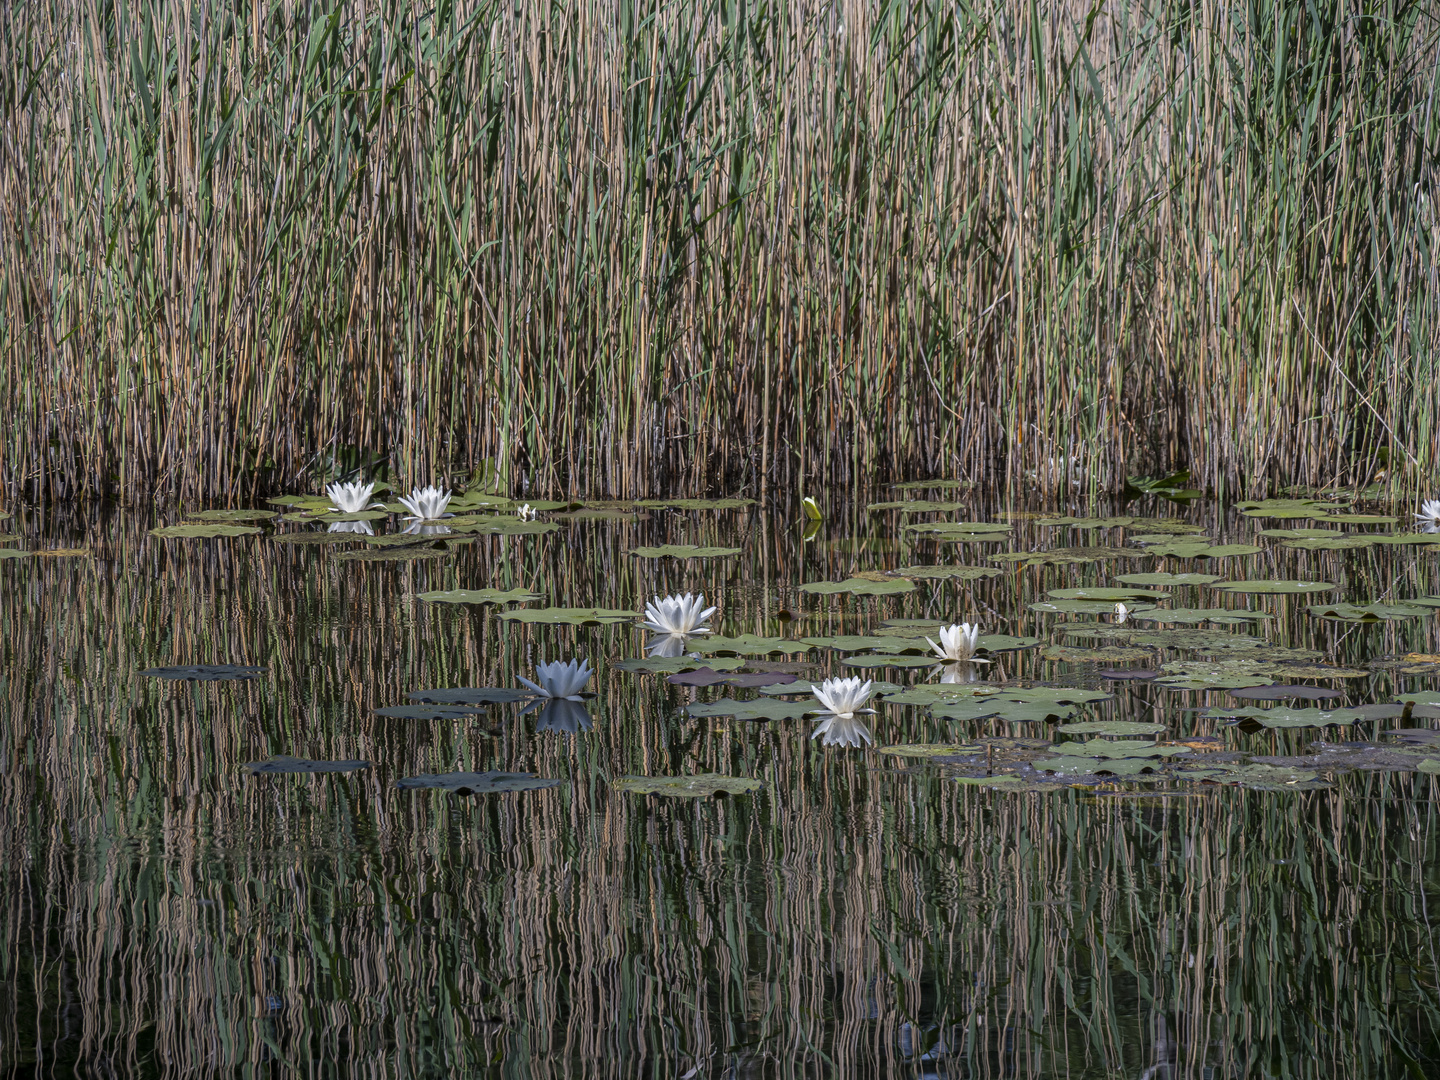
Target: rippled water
<point x="860" y="914"/>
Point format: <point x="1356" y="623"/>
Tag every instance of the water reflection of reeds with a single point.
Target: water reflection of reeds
<point x="165" y="914"/>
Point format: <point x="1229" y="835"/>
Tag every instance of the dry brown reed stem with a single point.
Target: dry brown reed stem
<point x="696" y="245"/>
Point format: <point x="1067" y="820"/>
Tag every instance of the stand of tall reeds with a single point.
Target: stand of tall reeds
<point x="628" y="246"/>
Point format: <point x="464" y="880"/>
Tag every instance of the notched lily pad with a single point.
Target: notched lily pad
<point x="571" y="616"/>
<point x="1275" y="588"/>
<point x="756" y="709"/>
<point x="859" y="587"/>
<point x="479" y="596"/>
<point x="944" y="572"/>
<point x="233" y="515"/>
<point x="700" y="785"/>
<point x="293" y="765"/>
<point x="684" y="551"/>
<point x="204" y="672"/>
<point x="1368" y="612"/>
<point x="195" y="532"/>
<point x="1167" y="579"/>
<point x="925" y="751"/>
<point x="477" y="783"/>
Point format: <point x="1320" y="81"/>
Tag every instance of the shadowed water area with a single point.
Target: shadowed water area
<point x="983" y="891"/>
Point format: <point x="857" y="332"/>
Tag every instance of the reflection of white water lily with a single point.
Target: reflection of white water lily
<point x="526" y="513"/>
<point x="666" y="645"/>
<point x="843" y="697"/>
<point x="1121" y="613"/>
<point x="1429" y="512"/>
<point x="351" y="498"/>
<point x="564" y="716"/>
<point x="958" y="643"/>
<point x="361" y="527"/>
<point x="835" y="730"/>
<point x="419" y="528"/>
<point x="678" y="615"/>
<point x="560" y="679"/>
<point x="958" y="673"/>
<point x="427" y="503"/>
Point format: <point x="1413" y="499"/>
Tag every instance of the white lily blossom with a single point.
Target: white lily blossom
<point x="835" y="730"/>
<point x="560" y="679"/>
<point x="678" y="615"/>
<point x="957" y="643"/>
<point x="1429" y="512"/>
<point x="426" y="504"/>
<point x="843" y="697"/>
<point x="1121" y="613"/>
<point x="526" y="513"/>
<point x="351" y="498"/>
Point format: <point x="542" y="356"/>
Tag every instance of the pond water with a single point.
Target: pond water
<point x="1031" y="902"/>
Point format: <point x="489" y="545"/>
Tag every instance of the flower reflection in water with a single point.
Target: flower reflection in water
<point x="666" y="645"/>
<point x="361" y="527"/>
<point x="419" y="528"/>
<point x="957" y="673"/>
<point x="562" y="715"/>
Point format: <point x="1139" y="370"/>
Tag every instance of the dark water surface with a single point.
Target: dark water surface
<point x="863" y="914"/>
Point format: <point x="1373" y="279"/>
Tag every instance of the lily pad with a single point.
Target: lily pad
<point x="763" y="680"/>
<point x="190" y="532"/>
<point x="1114" y="654"/>
<point x="881" y="660"/>
<point x="1218" y="551"/>
<point x="1214" y="674"/>
<point x="1107" y="594"/>
<point x="669" y="665"/>
<point x="1275" y="588"/>
<point x="402" y="554"/>
<point x="1115" y="766"/>
<point x="478" y="783"/>
<point x="304" y="502"/>
<point x="1118" y="748"/>
<point x="1167" y="579"/>
<point x="571" y="616"/>
<point x="1337" y="543"/>
<point x="1110" y="727"/>
<point x="1302" y="534"/>
<point x="205" y="672"/>
<point x="1357" y="519"/>
<point x="684" y="551"/>
<point x="956" y="573"/>
<point x="917" y="506"/>
<point x="429" y="712"/>
<point x="282" y="764"/>
<point x="696" y="504"/>
<point x="1281" y="717"/>
<point x="933" y="485"/>
<point x="755" y="709"/>
<point x="233" y="515"/>
<point x="1404" y="538"/>
<point x="856" y="642"/>
<point x="1083" y="607"/>
<point x="1429" y="765"/>
<point x="1368" y="612"/>
<point x="878" y="687"/>
<point x="924" y="751"/>
<point x="1258" y="777"/>
<point x="328" y="515"/>
<point x="1200" y="640"/>
<point x="1222" y="616"/>
<point x="470" y="695"/>
<point x="479" y="596"/>
<point x="1068" y="555"/>
<point x="316" y="538"/>
<point x="859" y="587"/>
<point x="748" y="645"/>
<point x="1285" y="692"/>
<point x="1087" y="522"/>
<point x="15" y="553"/>
<point x="976" y="527"/>
<point x="700" y="785"/>
<point x="1003" y="708"/>
<point x="506" y="526"/>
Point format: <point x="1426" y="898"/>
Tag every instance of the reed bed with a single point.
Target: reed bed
<point x="631" y="247"/>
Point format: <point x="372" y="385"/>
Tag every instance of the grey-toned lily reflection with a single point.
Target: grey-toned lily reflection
<point x="361" y="527"/>
<point x="839" y="723"/>
<point x="957" y="673"/>
<point x="562" y="715"/>
<point x="560" y="679"/>
<point x="420" y="528"/>
<point x="666" y="645"/>
<point x="353" y="497"/>
<point x="426" y="504"/>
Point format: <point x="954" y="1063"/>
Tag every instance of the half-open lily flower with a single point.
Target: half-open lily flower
<point x="351" y="498"/>
<point x="361" y="527"/>
<point x="678" y="615"/>
<point x="834" y="730"/>
<point x="560" y="679"/>
<point x="526" y="513"/>
<point x="1429" y="512"/>
<point x="420" y="528"/>
<point x="426" y="504"/>
<point x="1121" y="613"/>
<point x="958" y="642"/>
<point x="844" y="697"/>
<point x="666" y="645"/>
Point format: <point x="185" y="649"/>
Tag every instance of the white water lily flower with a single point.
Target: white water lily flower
<point x="361" y="527"/>
<point x="1121" y="613"/>
<point x="560" y="679"/>
<point x="843" y="697"/>
<point x="958" y="642"/>
<point x="835" y="730"/>
<point x="678" y="615"/>
<point x="427" y="503"/>
<point x="351" y="498"/>
<point x="526" y="513"/>
<point x="1429" y="512"/>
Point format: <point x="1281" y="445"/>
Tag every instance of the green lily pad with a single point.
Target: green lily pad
<point x="293" y="765"/>
<point x="856" y="642"/>
<point x="1084" y="607"/>
<point x="684" y="551"/>
<point x="1226" y="551"/>
<point x="1067" y="555"/>
<point x="802" y="686"/>
<point x="1302" y="534"/>
<point x="1403" y="538"/>
<point x="329" y="516"/>
<point x="1087" y="522"/>
<point x="1001" y="708"/>
<point x="1114" y="654"/>
<point x="957" y="573"/>
<point x="1280" y="717"/>
<point x="16" y="553"/>
<point x="1368" y="612"/>
<point x="1259" y="777"/>
<point x="1115" y="766"/>
<point x="429" y="712"/>
<point x="924" y="751"/>
<point x="233" y="515"/>
<point x="879" y="661"/>
<point x="571" y="616"/>
<point x="917" y="506"/>
<point x="934" y="693"/>
<point x="1357" y="519"/>
<point x="1275" y="588"/>
<point x="1203" y="640"/>
<point x="976" y="527"/>
<point x="1110" y="727"/>
<point x="1214" y="674"/>
<point x="1108" y="594"/>
<point x="398" y="539"/>
<point x="859" y="587"/>
<point x="748" y="645"/>
<point x="478" y="783"/>
<point x="762" y="708"/>
<point x="1004" y="782"/>
<point x="673" y="665"/>
<point x="696" y="504"/>
<point x="470" y="695"/>
<point x="315" y="538"/>
<point x="398" y="554"/>
<point x="479" y="596"/>
<point x="304" y="502"/>
<point x="1230" y="616"/>
<point x="1167" y="579"/>
<point x="505" y="526"/>
<point x="1337" y="543"/>
<point x="170" y="532"/>
<point x="933" y="485"/>
<point x="1118" y="748"/>
<point x="700" y="785"/>
<point x="1429" y="765"/>
<point x="1291" y="504"/>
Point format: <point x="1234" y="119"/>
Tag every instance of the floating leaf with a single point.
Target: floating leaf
<point x="878" y="687"/>
<point x="1259" y="777"/>
<point x="328" y="515"/>
<point x="204" y="672"/>
<point x="748" y="645"/>
<point x="1281" y="717"/>
<point x="684" y="551"/>
<point x="1087" y="522"/>
<point x="859" y="587"/>
<point x="975" y="527"/>
<point x="1110" y="727"/>
<point x="572" y="616"/>
<point x="315" y="538"/>
<point x="668" y="665"/>
<point x="506" y="526"/>
<point x="1083" y="607"/>
<point x="1115" y="766"/>
<point x="754" y="709"/>
<point x="957" y="573"/>
<point x="1275" y="588"/>
<point x="233" y="515"/>
<point x="1112" y="653"/>
<point x="1118" y="748"/>
<point x="1231" y="616"/>
<point x="1302" y="534"/>
<point x="1167" y="579"/>
<point x="1336" y="543"/>
<point x="856" y="642"/>
<point x="917" y="506"/>
<point x="1107" y="594"/>
<point x="1403" y="538"/>
<point x="687" y="787"/>
<point x="173" y="532"/>
<point x="1224" y="551"/>
<point x="479" y="596"/>
<point x="1285" y="692"/>
<point x="305" y="502"/>
<point x="402" y="554"/>
<point x="697" y="504"/>
<point x="1067" y="556"/>
<point x="1358" y="519"/>
<point x="925" y="751"/>
<point x="881" y="660"/>
<point x="477" y="783"/>
<point x="1429" y="765"/>
<point x="1203" y="640"/>
<point x="470" y="695"/>
<point x="281" y="764"/>
<point x="429" y="712"/>
<point x="934" y="485"/>
<point x="1214" y="674"/>
<point x="1368" y="612"/>
<point x="14" y="553"/>
<point x="774" y="682"/>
